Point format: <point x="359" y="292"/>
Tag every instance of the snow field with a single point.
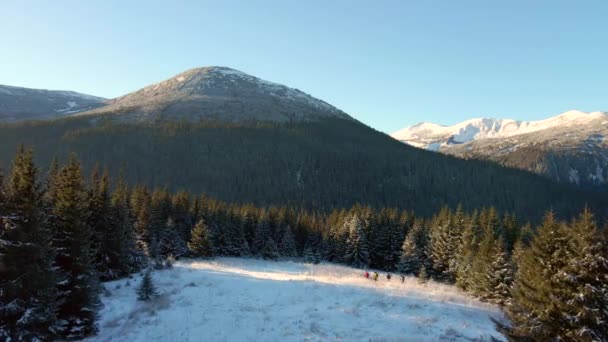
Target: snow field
<point x="237" y="299"/>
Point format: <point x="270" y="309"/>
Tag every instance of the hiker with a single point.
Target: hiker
<point x="402" y="278"/>
<point x="366" y="275"/>
<point x="375" y="276"/>
<point x="388" y="276"/>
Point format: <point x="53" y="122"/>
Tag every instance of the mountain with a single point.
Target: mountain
<point x="570" y="147"/>
<point x="240" y="139"/>
<point x="18" y="103"/>
<point x="217" y="93"/>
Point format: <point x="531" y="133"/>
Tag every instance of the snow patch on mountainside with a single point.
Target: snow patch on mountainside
<point x="230" y="299"/>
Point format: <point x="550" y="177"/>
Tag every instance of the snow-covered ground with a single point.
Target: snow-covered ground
<point x="234" y="299"/>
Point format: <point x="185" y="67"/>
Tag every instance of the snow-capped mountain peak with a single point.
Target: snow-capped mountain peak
<point x="433" y="136"/>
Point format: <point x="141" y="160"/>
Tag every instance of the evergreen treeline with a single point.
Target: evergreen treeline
<point x="60" y="237"/>
<point x="317" y="164"/>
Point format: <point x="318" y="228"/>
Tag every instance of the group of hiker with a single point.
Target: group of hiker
<point x="375" y="276"/>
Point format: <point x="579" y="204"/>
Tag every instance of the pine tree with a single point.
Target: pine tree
<point x="584" y="301"/>
<point x="263" y="242"/>
<point x="270" y="250"/>
<point x="467" y="250"/>
<point x="146" y="290"/>
<point x="100" y="220"/>
<point x="199" y="243"/>
<point x="140" y="206"/>
<point x="287" y="247"/>
<point x="80" y="290"/>
<point x="412" y="251"/>
<point x="357" y="248"/>
<point x="28" y="297"/>
<point x="443" y="245"/>
<point x="534" y="313"/>
<point x="481" y="268"/>
<point x="171" y="242"/>
<point x="181" y="215"/>
<point x="423" y="276"/>
<point x="499" y="276"/>
<point x="236" y="243"/>
<point x="127" y="260"/>
<point x="312" y="249"/>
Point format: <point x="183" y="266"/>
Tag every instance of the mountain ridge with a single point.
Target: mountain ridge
<point x="19" y="103"/>
<point x="434" y="136"/>
<point x="570" y="147"/>
<point x="218" y="93"/>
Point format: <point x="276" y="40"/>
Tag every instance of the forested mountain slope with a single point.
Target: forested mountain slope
<point x="324" y="163"/>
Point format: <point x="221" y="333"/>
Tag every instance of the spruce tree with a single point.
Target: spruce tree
<point x="171" y="242"/>
<point x="263" y="242"/>
<point x="199" y="242"/>
<point x="534" y="312"/>
<point x="140" y="206"/>
<point x="412" y="251"/>
<point x="101" y="221"/>
<point x="80" y="289"/>
<point x="126" y="259"/>
<point x="423" y="276"/>
<point x="28" y="296"/>
<point x="467" y="250"/>
<point x="584" y="301"/>
<point x="287" y="247"/>
<point x="441" y="245"/>
<point x="236" y="243"/>
<point x="357" y="248"/>
<point x="146" y="290"/>
<point x="498" y="276"/>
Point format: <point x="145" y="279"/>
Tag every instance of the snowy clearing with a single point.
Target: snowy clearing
<point x="235" y="299"/>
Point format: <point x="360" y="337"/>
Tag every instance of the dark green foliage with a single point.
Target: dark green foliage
<point x="584" y="296"/>
<point x="560" y="291"/>
<point x="263" y="243"/>
<point x="357" y="247"/>
<point x="534" y="312"/>
<point x="413" y="250"/>
<point x="199" y="242"/>
<point x="287" y="246"/>
<point x="28" y="297"/>
<point x="467" y="250"/>
<point x="324" y="164"/>
<point x="72" y="240"/>
<point x="146" y="290"/>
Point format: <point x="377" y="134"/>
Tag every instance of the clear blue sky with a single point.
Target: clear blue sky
<point x="387" y="63"/>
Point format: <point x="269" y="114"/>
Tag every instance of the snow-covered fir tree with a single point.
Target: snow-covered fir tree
<point x="287" y="246"/>
<point x="584" y="299"/>
<point x="499" y="276"/>
<point x="146" y="289"/>
<point x="412" y="250"/>
<point x="357" y="248"/>
<point x="199" y="244"/>
<point x="171" y="242"/>
<point x="28" y="295"/>
<point x="80" y="289"/>
<point x="467" y="250"/>
<point x="533" y="312"/>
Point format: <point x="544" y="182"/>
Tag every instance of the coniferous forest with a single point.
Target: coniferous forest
<point x="64" y="232"/>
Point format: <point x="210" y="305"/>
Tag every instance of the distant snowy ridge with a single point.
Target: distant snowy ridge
<point x="433" y="136"/>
